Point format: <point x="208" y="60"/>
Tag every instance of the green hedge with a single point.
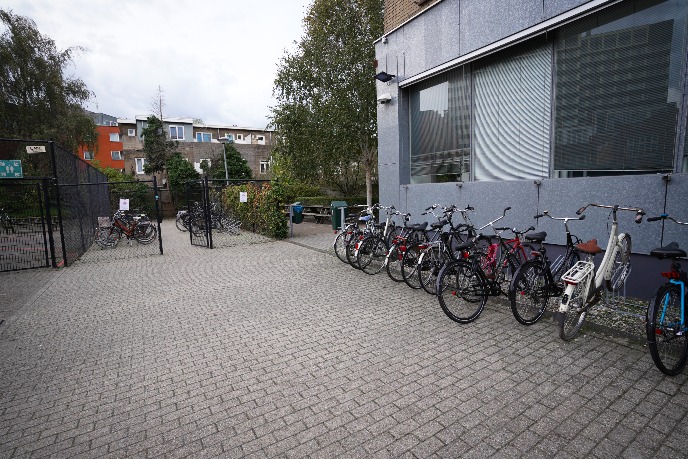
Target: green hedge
<point x="262" y="211"/>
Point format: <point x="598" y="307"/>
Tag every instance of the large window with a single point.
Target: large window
<point x="204" y="137"/>
<point x="177" y="132"/>
<point x="619" y="86"/>
<point x="114" y="137"/>
<point x="440" y="128"/>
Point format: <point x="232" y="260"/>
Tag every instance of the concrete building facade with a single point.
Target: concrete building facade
<point x="538" y="105"/>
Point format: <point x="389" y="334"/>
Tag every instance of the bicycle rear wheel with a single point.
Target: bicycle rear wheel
<point x="622" y="264"/>
<point x="665" y="335"/>
<point x="352" y="248"/>
<point x="107" y="237"/>
<point x="371" y="255"/>
<point x="340" y="243"/>
<point x="529" y="292"/>
<point x="575" y="315"/>
<point x="182" y="222"/>
<point x="461" y="291"/>
<point x="146" y="235"/>
<point x="430" y="266"/>
<point x="394" y="260"/>
<point x="409" y="265"/>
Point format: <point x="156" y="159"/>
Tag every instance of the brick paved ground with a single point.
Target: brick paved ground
<point x="276" y="350"/>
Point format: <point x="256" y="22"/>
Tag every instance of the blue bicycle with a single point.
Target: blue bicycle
<point x="666" y="322"/>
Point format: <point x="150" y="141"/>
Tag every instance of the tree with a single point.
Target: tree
<point x="158" y="103"/>
<point x="326" y="97"/>
<point x="156" y="146"/>
<point x="37" y="101"/>
<point x="179" y="171"/>
<point x="237" y="167"/>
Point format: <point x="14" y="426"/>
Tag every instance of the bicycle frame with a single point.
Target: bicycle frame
<point x="583" y="273"/>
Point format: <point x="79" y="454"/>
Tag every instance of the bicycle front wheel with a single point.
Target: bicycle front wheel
<point x="147" y="235"/>
<point x="107" y="237"/>
<point x="461" y="291"/>
<point x="371" y="255"/>
<point x="529" y="292"/>
<point x="622" y="264"/>
<point x="665" y="333"/>
<point x="409" y="265"/>
<point x="575" y="315"/>
<point x="352" y="249"/>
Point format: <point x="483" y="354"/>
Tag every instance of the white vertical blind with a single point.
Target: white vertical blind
<point x="512" y="114"/>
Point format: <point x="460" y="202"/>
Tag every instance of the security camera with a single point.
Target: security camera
<point x="384" y="98"/>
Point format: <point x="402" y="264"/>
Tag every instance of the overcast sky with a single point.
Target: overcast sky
<point x="214" y="60"/>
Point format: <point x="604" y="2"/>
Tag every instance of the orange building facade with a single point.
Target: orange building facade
<point x="108" y="151"/>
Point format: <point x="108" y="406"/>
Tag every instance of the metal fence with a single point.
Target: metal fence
<point x="212" y="223"/>
<point x="50" y="214"/>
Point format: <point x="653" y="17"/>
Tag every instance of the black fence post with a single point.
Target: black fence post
<point x="156" y="193"/>
<point x="208" y="218"/>
<point x="45" y="183"/>
<point x="57" y="201"/>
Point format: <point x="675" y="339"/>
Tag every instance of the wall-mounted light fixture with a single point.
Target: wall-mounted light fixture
<point x="384" y="77"/>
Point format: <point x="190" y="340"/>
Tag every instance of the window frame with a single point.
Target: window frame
<point x="120" y="154"/>
<point x="142" y="162"/>
<point x="131" y="132"/>
<point x="176" y="128"/>
<point x="114" y="136"/>
<point x="201" y="134"/>
<point x="88" y="153"/>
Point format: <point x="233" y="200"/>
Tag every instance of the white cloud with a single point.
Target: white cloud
<point x="215" y="60"/>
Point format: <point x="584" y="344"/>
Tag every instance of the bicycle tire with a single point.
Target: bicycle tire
<point x="372" y="254"/>
<point x="107" y="237"/>
<point x="351" y="249"/>
<point x="394" y="260"/>
<point x="669" y="349"/>
<point x="529" y="292"/>
<point x="149" y="234"/>
<point x="340" y="243"/>
<point x="571" y="259"/>
<point x="430" y="267"/>
<point x="621" y="265"/>
<point x="181" y="225"/>
<point x="409" y="266"/>
<point x="575" y="314"/>
<point x="480" y="250"/>
<point x="461" y="291"/>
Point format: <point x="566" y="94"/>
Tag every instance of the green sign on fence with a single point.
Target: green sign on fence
<point x="11" y="168"/>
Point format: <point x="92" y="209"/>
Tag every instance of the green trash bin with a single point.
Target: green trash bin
<point x="335" y="209"/>
<point x="296" y="212"/>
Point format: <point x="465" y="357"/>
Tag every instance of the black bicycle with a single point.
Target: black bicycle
<point x="538" y="279"/>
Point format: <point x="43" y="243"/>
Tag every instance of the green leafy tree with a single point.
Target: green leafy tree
<point x="157" y="148"/>
<point x="237" y="167"/>
<point x="326" y="97"/>
<point x="37" y="100"/>
<point x="179" y="171"/>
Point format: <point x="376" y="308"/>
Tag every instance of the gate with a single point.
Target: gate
<point x="27" y="228"/>
<point x="210" y="219"/>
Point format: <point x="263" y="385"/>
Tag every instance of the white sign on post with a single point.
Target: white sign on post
<point x="123" y="204"/>
<point x="243" y="196"/>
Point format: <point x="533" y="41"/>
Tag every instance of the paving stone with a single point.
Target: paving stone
<point x="277" y="349"/>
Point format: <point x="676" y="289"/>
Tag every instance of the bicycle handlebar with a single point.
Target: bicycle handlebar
<point x="667" y="217"/>
<point x="638" y="217"/>
<point x="545" y="213"/>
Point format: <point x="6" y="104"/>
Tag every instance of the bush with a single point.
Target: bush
<point x="262" y="211"/>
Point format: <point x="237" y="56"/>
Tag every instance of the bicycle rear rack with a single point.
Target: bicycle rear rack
<point x="578" y="272"/>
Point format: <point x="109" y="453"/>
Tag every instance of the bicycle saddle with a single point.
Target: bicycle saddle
<point x="589" y="247"/>
<point x="672" y="250"/>
<point x="536" y="237"/>
<point x="439" y="224"/>
<point x="418" y="226"/>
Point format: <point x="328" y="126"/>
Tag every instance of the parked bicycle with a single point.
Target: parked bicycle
<point x="666" y="318"/>
<point x="464" y="285"/>
<point x="538" y="280"/>
<point x="583" y="284"/>
<point x="409" y="263"/>
<point x="411" y="233"/>
<point x="444" y="249"/>
<point x="135" y="226"/>
<point x="371" y="253"/>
